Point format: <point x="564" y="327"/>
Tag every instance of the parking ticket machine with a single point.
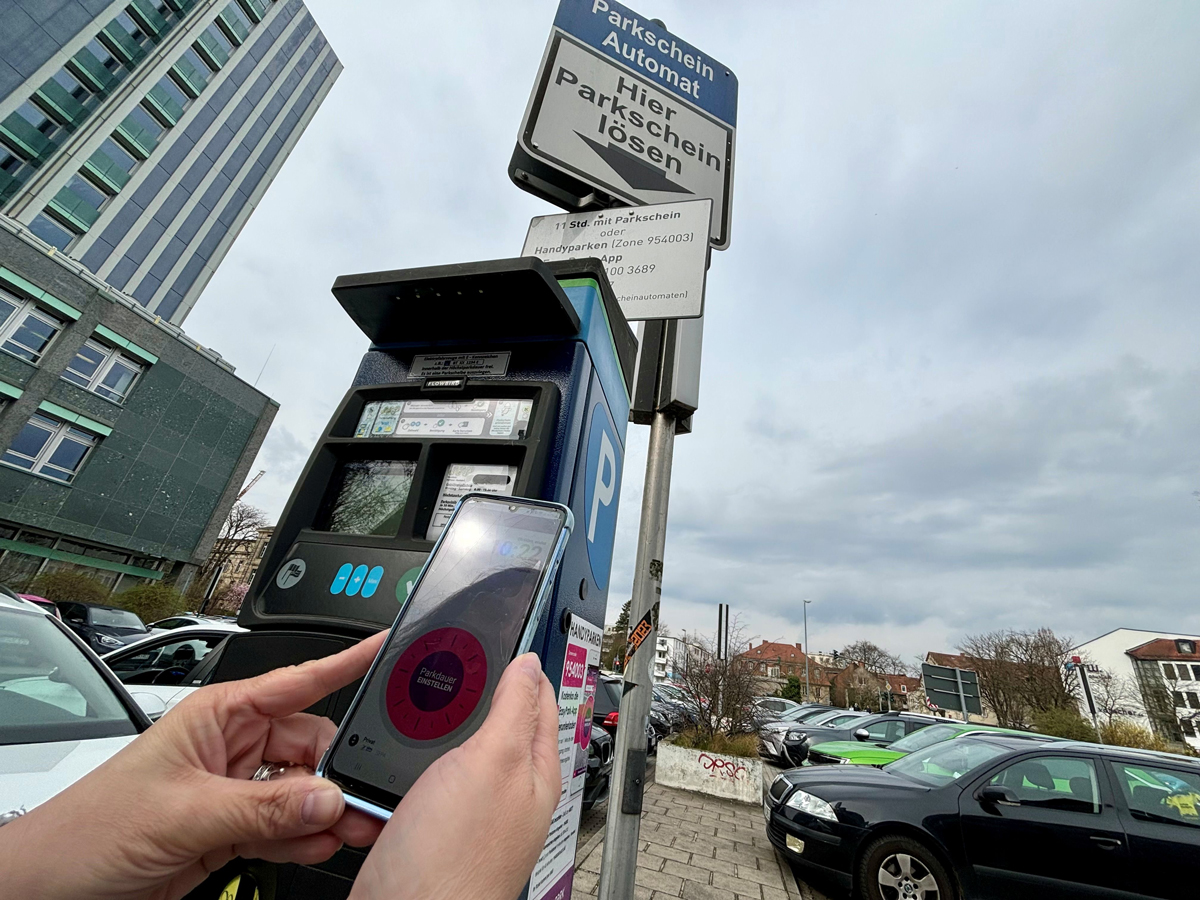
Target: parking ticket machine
<point x="511" y="377"/>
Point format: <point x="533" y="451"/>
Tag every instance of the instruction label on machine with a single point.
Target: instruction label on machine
<point x="489" y="419"/>
<point x="655" y="256"/>
<point x="551" y="879"/>
<point x="463" y="478"/>
<point x="434" y="365"/>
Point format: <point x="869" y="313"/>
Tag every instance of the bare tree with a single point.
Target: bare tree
<point x="1020" y="672"/>
<point x="241" y="525"/>
<point x="1115" y="696"/>
<point x="875" y="659"/>
<point x="723" y="690"/>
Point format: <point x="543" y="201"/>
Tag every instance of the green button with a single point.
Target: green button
<point x="405" y="585"/>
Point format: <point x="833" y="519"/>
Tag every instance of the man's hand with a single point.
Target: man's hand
<point x="178" y="802"/>
<point x="475" y="821"/>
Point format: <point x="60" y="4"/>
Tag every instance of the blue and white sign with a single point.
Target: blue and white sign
<point x="602" y="492"/>
<point x="634" y="41"/>
<point x="625" y="106"/>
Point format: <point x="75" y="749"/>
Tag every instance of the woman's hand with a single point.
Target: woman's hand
<point x="475" y="821"/>
<point x="178" y="802"/>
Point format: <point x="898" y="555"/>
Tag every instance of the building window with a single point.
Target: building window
<point x="1193" y="699"/>
<point x="141" y="117"/>
<point x="25" y="329"/>
<point x="1169" y="671"/>
<point x="1195" y="673"/>
<point x="87" y="192"/>
<point x="35" y="117"/>
<point x="102" y="370"/>
<point x="172" y="90"/>
<point x="1187" y="727"/>
<point x="119" y="155"/>
<point x="130" y="27"/>
<point x="1188" y="648"/>
<point x="52" y="231"/>
<point x="103" y="55"/>
<point x="72" y="85"/>
<point x="1177" y="699"/>
<point x="904" y="688"/>
<point x="50" y="447"/>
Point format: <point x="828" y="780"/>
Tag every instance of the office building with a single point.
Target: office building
<point x="137" y="137"/>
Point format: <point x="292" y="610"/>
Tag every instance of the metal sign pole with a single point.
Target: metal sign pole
<point x="624" y="819"/>
<point x="962" y="697"/>
<point x="1087" y="694"/>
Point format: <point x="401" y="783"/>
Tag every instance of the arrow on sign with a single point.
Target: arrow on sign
<point x="639" y="175"/>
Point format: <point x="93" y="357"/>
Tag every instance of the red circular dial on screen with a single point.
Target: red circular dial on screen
<point x="436" y="683"/>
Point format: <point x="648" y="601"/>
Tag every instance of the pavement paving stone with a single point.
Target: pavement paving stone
<point x="770" y="893"/>
<point x="734" y="855"/>
<point x="693" y="890"/>
<point x="654" y="849"/>
<point x="658" y="881"/>
<point x="739" y="886"/>
<point x="769" y="876"/>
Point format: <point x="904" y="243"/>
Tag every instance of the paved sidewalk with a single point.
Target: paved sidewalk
<point x="698" y="848"/>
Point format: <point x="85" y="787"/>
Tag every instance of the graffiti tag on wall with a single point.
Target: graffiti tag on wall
<point x="721" y="768"/>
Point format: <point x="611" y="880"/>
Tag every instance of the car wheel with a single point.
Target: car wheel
<point x="900" y="868"/>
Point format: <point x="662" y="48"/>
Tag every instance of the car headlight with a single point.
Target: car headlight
<point x="107" y="641"/>
<point x="814" y="806"/>
<point x="795" y="735"/>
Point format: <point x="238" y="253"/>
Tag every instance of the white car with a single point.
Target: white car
<point x="159" y="664"/>
<point x="184" y="620"/>
<point x="62" y="712"/>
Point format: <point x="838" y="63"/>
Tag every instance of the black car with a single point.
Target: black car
<point x="997" y="817"/>
<point x="607" y="710"/>
<point x="880" y="729"/>
<point x="599" y="770"/>
<point x="103" y="628"/>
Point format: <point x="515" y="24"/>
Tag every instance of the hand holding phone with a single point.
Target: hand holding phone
<point x="475" y="606"/>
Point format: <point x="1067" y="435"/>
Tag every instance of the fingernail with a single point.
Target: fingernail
<point x="530" y="665"/>
<point x="322" y="806"/>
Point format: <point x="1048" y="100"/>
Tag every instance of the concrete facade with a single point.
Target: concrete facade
<point x="150" y="160"/>
<point x="167" y="460"/>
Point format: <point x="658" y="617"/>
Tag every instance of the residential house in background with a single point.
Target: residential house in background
<point x="1161" y="674"/>
<point x="856" y="686"/>
<point x="773" y="663"/>
<point x="242" y="564"/>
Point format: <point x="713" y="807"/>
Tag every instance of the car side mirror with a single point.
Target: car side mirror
<point x="862" y="735"/>
<point x="998" y="793"/>
<point x="152" y="704"/>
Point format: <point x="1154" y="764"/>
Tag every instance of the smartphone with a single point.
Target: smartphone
<point x="474" y="607"/>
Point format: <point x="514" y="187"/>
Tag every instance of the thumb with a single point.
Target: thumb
<point x="251" y="811"/>
<point x="516" y="703"/>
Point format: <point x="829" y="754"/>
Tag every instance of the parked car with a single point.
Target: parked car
<point x="776" y="706"/>
<point x="762" y="716"/>
<point x="599" y="772"/>
<point x="872" y="754"/>
<point x="995" y="817"/>
<point x="103" y="628"/>
<point x="772" y="734"/>
<point x="47" y="606"/>
<point x="161" y="663"/>
<point x="688" y="712"/>
<point x="62" y="712"/>
<point x="183" y="620"/>
<point x="875" y="728"/>
<point x="606" y="712"/>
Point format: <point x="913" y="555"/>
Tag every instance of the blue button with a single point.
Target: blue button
<point x="373" y="578"/>
<point x="340" y="579"/>
<point x="356" y="580"/>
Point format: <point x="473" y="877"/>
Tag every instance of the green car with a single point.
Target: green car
<point x="865" y="753"/>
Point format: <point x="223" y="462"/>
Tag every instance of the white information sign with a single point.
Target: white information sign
<point x="655" y="256"/>
<point x="462" y="478"/>
<point x="627" y="135"/>
<point x="552" y="875"/>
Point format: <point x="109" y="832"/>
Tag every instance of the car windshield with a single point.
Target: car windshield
<point x="926" y="737"/>
<point x="48" y="689"/>
<point x="828" y="716"/>
<point x="116" y="618"/>
<point x="804" y="714"/>
<point x="945" y="762"/>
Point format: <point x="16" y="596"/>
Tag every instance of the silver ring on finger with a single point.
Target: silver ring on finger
<point x="267" y="771"/>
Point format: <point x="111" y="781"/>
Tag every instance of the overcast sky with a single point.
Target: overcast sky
<point x="950" y="376"/>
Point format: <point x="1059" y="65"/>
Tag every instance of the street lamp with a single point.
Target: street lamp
<point x="806" y="650"/>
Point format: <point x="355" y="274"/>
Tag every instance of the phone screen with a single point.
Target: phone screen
<point x="432" y="684"/>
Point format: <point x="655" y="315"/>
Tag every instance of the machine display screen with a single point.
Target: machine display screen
<point x="498" y="420"/>
<point x="370" y="496"/>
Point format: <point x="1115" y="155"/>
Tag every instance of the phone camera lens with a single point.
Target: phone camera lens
<point x="353" y="740"/>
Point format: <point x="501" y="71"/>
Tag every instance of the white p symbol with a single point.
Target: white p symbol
<point x="602" y="492"/>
